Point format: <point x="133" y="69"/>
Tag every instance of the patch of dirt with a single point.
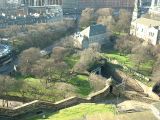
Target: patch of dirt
<point x="11" y="104"/>
<point x="130" y="105"/>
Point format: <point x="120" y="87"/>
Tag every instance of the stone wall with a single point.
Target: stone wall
<point x="129" y="82"/>
<point x="35" y="107"/>
<point x="100" y="95"/>
<point x="134" y="84"/>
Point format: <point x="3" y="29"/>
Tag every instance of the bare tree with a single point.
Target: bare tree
<point x="87" y="58"/>
<point x="59" y="53"/>
<point x="97" y="82"/>
<point x="23" y="88"/>
<point x="108" y="21"/>
<point x="141" y="54"/>
<point x="6" y="83"/>
<point x="87" y="17"/>
<point x="105" y="12"/>
<point x="125" y="44"/>
<point x="27" y="59"/>
<point x="51" y="70"/>
<point x="67" y="42"/>
<point x="65" y="90"/>
<point x="123" y="23"/>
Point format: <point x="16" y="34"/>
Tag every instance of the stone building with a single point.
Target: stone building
<point x="73" y="6"/>
<point x="145" y="28"/>
<point x="155" y="7"/>
<point x="94" y="34"/>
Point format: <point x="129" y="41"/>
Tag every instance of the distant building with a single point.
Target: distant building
<point x="155" y="7"/>
<point x="70" y="6"/>
<point x="90" y="35"/>
<point x="3" y="4"/>
<point x="13" y="1"/>
<point x="137" y="10"/>
<point x="117" y="4"/>
<point x="73" y="6"/>
<point x="147" y="29"/>
<point x="41" y="2"/>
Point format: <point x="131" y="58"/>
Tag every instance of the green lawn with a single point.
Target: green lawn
<point x="36" y="87"/>
<point x="82" y="84"/>
<point x="79" y="111"/>
<point x="126" y="60"/>
<point x="123" y="59"/>
<point x="145" y="68"/>
<point x="71" y="60"/>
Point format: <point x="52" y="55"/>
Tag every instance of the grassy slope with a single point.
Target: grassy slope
<point x="71" y="60"/>
<point x="82" y="84"/>
<point x="80" y="111"/>
<point x="126" y="60"/>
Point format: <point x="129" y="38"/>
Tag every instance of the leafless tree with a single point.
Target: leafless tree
<point x="97" y="82"/>
<point x="87" y="17"/>
<point x="124" y="20"/>
<point x="65" y="90"/>
<point x="87" y="59"/>
<point x="59" y="53"/>
<point x="108" y="21"/>
<point x="125" y="44"/>
<point x="141" y="54"/>
<point x="6" y="83"/>
<point x="51" y="70"/>
<point x="105" y="12"/>
<point x="27" y="58"/>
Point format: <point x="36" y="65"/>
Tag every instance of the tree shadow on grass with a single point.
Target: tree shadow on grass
<point x="83" y="86"/>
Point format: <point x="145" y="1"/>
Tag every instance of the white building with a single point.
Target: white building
<point x="54" y="12"/>
<point x="155" y="7"/>
<point x="90" y="35"/>
<point x="13" y="1"/>
<point x="147" y="29"/>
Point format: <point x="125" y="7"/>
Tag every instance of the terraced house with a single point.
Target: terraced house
<point x="146" y="28"/>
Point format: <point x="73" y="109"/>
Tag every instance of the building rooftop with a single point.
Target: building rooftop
<point x="148" y="22"/>
<point x="97" y="29"/>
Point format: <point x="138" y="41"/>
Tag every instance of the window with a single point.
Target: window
<point x="151" y="34"/>
<point x="142" y="30"/>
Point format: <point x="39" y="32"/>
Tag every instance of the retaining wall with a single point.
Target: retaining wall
<point x="135" y="85"/>
<point x="32" y="108"/>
